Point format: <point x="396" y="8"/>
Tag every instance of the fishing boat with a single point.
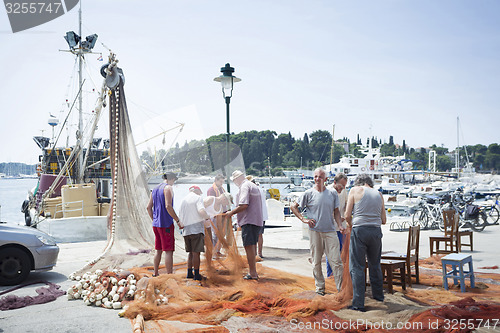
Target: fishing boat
<point x="72" y="198"/>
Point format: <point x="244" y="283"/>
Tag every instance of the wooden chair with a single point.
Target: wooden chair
<point x="411" y="255"/>
<point x="450" y="238"/>
<point x="467" y="233"/>
<point x="390" y="273"/>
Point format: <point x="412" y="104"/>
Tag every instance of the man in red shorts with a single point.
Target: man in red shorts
<point x="161" y="210"/>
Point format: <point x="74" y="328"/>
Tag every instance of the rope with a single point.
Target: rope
<point x="116" y="112"/>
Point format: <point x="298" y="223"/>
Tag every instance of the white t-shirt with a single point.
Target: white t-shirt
<point x="189" y="214"/>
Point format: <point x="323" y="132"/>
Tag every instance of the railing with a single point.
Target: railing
<point x="65" y="210"/>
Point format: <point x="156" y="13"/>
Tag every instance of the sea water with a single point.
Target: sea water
<point x="12" y="194"/>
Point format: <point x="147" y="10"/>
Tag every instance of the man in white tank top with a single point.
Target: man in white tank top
<point x="365" y="213"/>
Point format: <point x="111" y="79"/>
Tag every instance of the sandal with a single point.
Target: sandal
<point x="249" y="277"/>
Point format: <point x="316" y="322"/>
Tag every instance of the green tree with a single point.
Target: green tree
<point x="387" y="149"/>
<point x="255" y="151"/>
<point x="439" y="150"/>
<point x="492" y="158"/>
<point x="306" y="153"/>
<point x="320" y="142"/>
<point x="443" y="163"/>
<point x="338" y="152"/>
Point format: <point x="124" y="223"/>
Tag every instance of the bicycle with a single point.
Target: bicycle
<point x="492" y="212"/>
<point x="427" y="214"/>
<point x="470" y="216"/>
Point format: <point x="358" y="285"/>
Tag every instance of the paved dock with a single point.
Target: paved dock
<point x="284" y="248"/>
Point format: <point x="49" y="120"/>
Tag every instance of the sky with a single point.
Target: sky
<point x="374" y="68"/>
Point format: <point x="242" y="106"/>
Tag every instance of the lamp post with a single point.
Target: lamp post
<point x="227" y="80"/>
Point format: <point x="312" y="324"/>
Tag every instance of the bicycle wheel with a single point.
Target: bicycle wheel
<point x="479" y="223"/>
<point x="422" y="218"/>
<point x="440" y="224"/>
<point x="492" y="215"/>
<point x="437" y="218"/>
<point x="414" y="217"/>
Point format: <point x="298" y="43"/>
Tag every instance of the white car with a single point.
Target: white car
<point x="24" y="249"/>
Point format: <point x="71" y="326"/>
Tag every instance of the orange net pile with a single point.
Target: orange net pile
<point x="287" y="302"/>
<point x="277" y="294"/>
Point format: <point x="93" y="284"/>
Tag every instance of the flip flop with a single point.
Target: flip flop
<point x="249" y="277"/>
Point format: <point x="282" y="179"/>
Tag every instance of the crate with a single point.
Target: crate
<point x="79" y="200"/>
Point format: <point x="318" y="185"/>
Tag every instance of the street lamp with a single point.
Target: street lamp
<point x="227" y="81"/>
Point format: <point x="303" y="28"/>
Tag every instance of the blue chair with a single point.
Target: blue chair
<point x="457" y="262"/>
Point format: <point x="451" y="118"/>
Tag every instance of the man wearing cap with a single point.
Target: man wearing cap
<point x="249" y="213"/>
<point x="193" y="216"/>
<point x="161" y="210"/>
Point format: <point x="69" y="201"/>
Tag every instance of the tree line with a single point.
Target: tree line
<point x="267" y="152"/>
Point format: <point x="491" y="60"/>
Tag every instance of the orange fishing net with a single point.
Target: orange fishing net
<point x="284" y="302"/>
<point x="225" y="293"/>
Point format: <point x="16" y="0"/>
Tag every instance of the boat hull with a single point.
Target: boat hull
<point x="76" y="229"/>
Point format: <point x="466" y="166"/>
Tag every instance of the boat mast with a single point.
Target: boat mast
<point x="331" y="150"/>
<point x="79" y="134"/>
<point x="457" y="154"/>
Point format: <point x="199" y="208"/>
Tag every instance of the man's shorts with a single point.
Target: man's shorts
<point x="195" y="243"/>
<point x="250" y="234"/>
<point x="164" y="238"/>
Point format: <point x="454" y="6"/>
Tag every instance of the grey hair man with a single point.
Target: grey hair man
<point x="323" y="219"/>
<point x="365" y="213"/>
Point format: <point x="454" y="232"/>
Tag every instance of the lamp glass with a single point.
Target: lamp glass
<point x="227" y="82"/>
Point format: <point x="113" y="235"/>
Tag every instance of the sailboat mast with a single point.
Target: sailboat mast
<point x="457" y="155"/>
<point x="331" y="150"/>
<point x="79" y="135"/>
